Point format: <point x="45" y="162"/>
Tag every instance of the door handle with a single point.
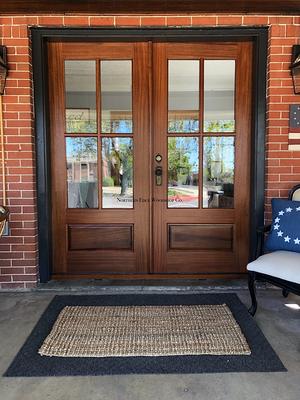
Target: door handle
<point x="158" y="175"/>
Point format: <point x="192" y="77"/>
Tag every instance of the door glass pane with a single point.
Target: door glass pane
<point x="117" y="172"/>
<point x="116" y="96"/>
<point x="219" y="86"/>
<point x="183" y="93"/>
<point x="218" y="172"/>
<point x="82" y="172"/>
<point x="183" y="172"/>
<point x="80" y="96"/>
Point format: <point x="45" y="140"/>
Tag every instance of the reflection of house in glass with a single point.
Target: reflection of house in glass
<point x="82" y="173"/>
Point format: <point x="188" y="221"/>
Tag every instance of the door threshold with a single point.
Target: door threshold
<point x="120" y="286"/>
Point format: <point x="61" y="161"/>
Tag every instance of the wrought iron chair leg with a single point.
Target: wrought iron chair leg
<point x="285" y="292"/>
<point x="251" y="285"/>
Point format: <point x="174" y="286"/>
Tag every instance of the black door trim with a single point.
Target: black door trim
<point x="40" y="37"/>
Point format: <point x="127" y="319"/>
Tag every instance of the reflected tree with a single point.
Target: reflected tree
<point x="180" y="157"/>
<point x="118" y="152"/>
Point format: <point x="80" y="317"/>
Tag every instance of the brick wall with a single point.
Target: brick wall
<point x="18" y="252"/>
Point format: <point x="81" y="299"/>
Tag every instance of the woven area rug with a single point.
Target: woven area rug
<point x="120" y="334"/>
<point x="113" y="331"/>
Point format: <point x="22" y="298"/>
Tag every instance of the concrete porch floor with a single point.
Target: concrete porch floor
<point x="281" y="325"/>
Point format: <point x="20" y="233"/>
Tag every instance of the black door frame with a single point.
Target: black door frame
<point x="40" y="37"/>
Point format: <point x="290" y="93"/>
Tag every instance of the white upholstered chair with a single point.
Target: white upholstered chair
<point x="280" y="268"/>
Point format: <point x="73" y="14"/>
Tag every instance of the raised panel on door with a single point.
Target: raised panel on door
<point x="202" y="132"/>
<point x="99" y="104"/>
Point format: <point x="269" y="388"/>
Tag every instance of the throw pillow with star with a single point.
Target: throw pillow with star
<point x="285" y="230"/>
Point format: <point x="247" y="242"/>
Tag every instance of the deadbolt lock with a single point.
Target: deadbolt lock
<point x="158" y="175"/>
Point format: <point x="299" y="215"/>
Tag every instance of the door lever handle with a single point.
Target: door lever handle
<point x="158" y="175"/>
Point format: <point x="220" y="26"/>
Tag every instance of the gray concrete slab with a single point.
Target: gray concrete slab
<point x="20" y="311"/>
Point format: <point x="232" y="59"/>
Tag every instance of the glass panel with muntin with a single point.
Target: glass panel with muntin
<point x="80" y="96"/>
<point x="219" y="95"/>
<point x="183" y="96"/>
<point x="117" y="172"/>
<point x="183" y="172"/>
<point x="116" y="96"/>
<point x="82" y="175"/>
<point x="218" y="172"/>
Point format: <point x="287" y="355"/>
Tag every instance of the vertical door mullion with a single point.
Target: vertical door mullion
<point x="99" y="124"/>
<point x="201" y="129"/>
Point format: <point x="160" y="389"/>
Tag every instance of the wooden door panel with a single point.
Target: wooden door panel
<point x="206" y="262"/>
<point x="105" y="262"/>
<point x="100" y="240"/>
<point x="203" y="240"/>
<point x="200" y="237"/>
<point x="100" y="237"/>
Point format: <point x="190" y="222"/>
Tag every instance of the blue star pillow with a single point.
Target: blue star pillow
<point x="285" y="230"/>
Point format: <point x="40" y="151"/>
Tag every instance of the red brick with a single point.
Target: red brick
<point x="51" y="20"/>
<point x="11" y="271"/>
<point x="17" y="42"/>
<point x="30" y="270"/>
<point x="11" y="255"/>
<point x="292" y="178"/>
<point x="5" y="278"/>
<point x="153" y="21"/>
<point x="280" y="58"/>
<point x="253" y="20"/>
<point x="280" y="20"/>
<point x="102" y="21"/>
<point x="5" y="263"/>
<point x="279" y="170"/>
<point x="282" y="41"/>
<point x="5" y="20"/>
<point x="276" y="49"/>
<point x="278" y="31"/>
<point x="25" y="20"/>
<point x="293" y="31"/>
<point x="76" y="20"/>
<point x="12" y="285"/>
<point x="6" y="31"/>
<point x="24" y="247"/>
<point x="4" y="247"/>
<point x="25" y="263"/>
<point x="23" y="278"/>
<point x="204" y="20"/>
<point x="128" y="21"/>
<point x="224" y="20"/>
<point x="30" y="285"/>
<point x="179" y="21"/>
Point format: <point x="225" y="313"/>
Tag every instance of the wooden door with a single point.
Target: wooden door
<point x="150" y="158"/>
<point x="99" y="104"/>
<point x="202" y="134"/>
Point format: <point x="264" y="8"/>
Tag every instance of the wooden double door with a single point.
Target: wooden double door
<point x="150" y="157"/>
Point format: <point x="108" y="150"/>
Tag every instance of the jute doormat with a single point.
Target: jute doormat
<point x="118" y="331"/>
<point x="28" y="361"/>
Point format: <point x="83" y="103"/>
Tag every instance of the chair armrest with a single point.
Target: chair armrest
<point x="261" y="231"/>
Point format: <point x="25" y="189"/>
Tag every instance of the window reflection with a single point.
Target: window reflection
<point x="219" y="87"/>
<point x="183" y="172"/>
<point x="117" y="172"/>
<point x="116" y="96"/>
<point x="218" y="172"/>
<point x="82" y="172"/>
<point x="183" y="112"/>
<point x="80" y="83"/>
